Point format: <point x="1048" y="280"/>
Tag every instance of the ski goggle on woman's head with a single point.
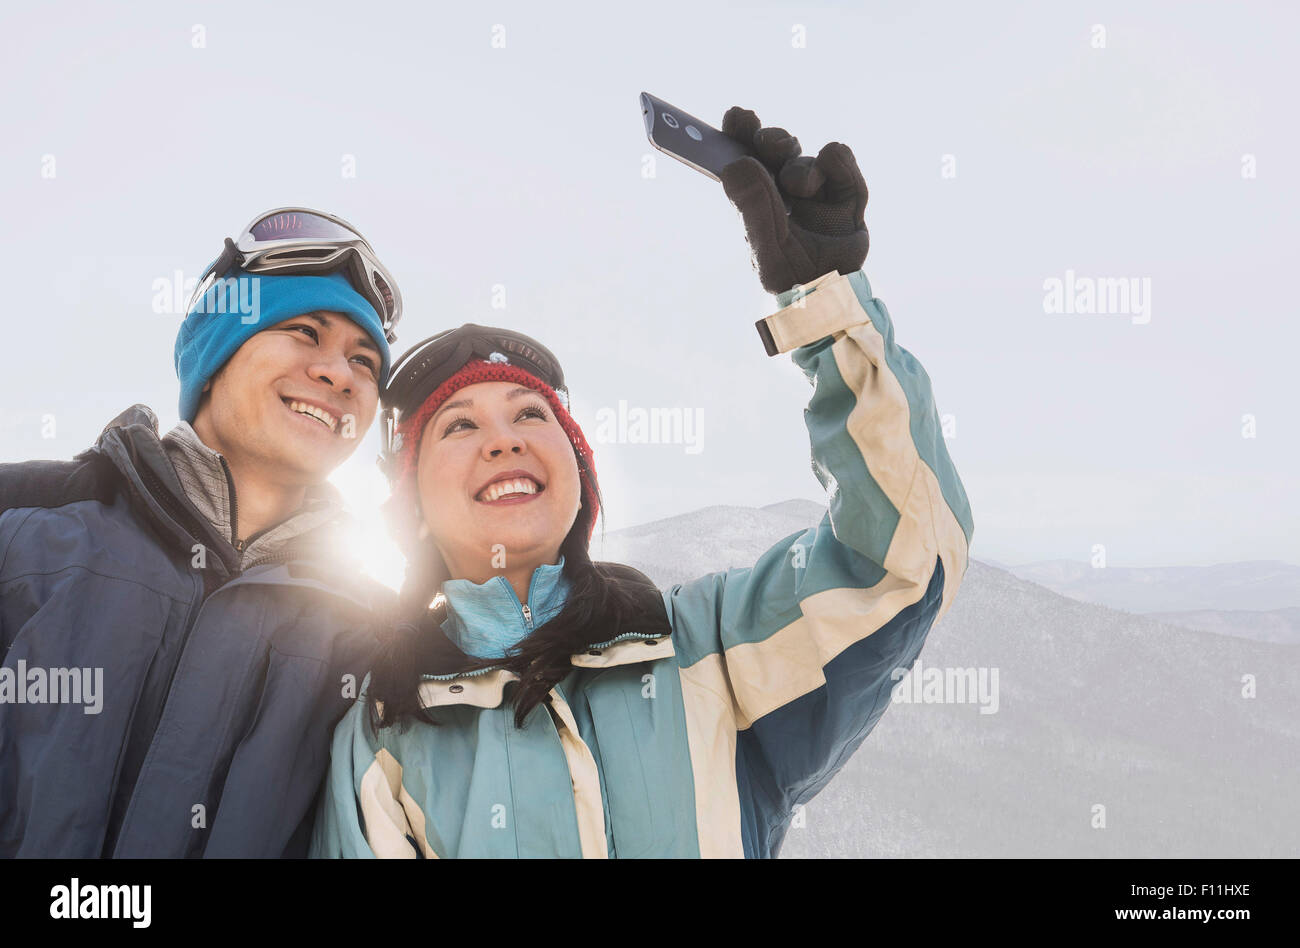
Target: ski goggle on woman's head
<point x="299" y="240"/>
<point x="431" y="362"/>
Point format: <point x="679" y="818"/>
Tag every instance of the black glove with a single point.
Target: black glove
<point x="824" y="230"/>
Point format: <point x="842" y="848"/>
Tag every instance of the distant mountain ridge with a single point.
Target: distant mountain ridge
<point x="1154" y="724"/>
<point x="1256" y="585"/>
<point x="1274" y="625"/>
<point x="1255" y="599"/>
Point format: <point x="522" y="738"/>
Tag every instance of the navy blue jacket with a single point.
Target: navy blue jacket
<point x="220" y="687"/>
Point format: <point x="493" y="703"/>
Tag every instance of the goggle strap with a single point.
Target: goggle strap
<point x="389" y="421"/>
<point x="229" y="259"/>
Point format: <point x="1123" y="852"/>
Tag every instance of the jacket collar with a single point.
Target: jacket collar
<point x="130" y="441"/>
<point x="486" y="688"/>
<point x="486" y="619"/>
<point x="202" y="474"/>
<point x="645" y="636"/>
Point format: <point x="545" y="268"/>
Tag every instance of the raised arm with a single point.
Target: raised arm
<point x="788" y="665"/>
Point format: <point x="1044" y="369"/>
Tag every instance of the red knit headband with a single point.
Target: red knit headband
<point x="411" y="428"/>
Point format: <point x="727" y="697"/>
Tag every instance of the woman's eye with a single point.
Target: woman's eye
<point x="530" y="411"/>
<point x="368" y="363"/>
<point x="307" y="329"/>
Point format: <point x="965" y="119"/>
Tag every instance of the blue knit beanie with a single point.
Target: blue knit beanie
<point x="235" y="309"/>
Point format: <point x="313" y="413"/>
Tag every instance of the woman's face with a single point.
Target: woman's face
<point x="497" y="475"/>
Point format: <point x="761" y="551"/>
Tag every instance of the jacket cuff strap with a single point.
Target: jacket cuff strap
<point x="811" y="311"/>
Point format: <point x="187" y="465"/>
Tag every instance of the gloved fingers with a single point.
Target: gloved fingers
<point x="750" y="186"/>
<point x="774" y="147"/>
<point x="740" y="124"/>
<point x="801" y="178"/>
<point x="844" y="179"/>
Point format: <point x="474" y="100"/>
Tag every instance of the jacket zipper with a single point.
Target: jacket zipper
<point x="164" y="498"/>
<point x="240" y="545"/>
<point x="282" y="556"/>
<point x="523" y="606"/>
<point x="249" y="540"/>
<point x="237" y="543"/>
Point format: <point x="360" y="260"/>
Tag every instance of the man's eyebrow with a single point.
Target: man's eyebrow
<point x="469" y="402"/>
<point x="365" y="342"/>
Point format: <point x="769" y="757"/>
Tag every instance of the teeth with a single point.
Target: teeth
<point x="324" y="417"/>
<point x="522" y="485"/>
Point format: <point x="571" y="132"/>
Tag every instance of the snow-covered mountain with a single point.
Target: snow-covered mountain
<point x="683" y="547"/>
<point x="1255" y="585"/>
<point x="1115" y="734"/>
<point x="1274" y="625"/>
<point x="1258" y="599"/>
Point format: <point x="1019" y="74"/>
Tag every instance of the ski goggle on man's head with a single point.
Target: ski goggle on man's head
<point x="299" y="240"/>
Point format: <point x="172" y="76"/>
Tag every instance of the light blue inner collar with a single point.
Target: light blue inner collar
<point x="485" y="619"/>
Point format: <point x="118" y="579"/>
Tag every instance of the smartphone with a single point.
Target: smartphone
<point x="689" y="140"/>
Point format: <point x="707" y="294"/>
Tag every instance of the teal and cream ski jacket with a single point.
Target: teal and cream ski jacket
<point x="702" y="739"/>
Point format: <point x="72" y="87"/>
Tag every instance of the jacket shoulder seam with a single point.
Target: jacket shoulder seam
<point x="78" y="566"/>
<point x="18" y="529"/>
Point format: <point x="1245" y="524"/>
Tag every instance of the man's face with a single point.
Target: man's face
<point x="258" y="409"/>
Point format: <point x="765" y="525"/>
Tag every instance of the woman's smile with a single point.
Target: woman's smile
<point x="510" y="492"/>
<point x="510" y="499"/>
<point x="510" y="487"/>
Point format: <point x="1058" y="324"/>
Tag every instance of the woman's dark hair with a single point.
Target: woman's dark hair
<point x="604" y="601"/>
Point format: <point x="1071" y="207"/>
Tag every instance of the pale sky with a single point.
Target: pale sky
<point x="522" y="166"/>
